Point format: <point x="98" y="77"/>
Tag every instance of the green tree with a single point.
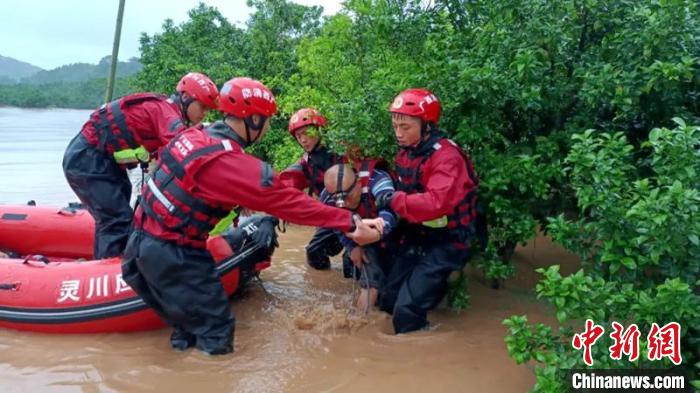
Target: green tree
<point x="265" y="49"/>
<point x="516" y="79"/>
<point x="207" y="43"/>
<point x="638" y="237"/>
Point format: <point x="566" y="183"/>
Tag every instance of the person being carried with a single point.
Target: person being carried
<point x="202" y="175"/>
<point x="436" y="201"/>
<point x="305" y="126"/>
<point x="356" y="189"/>
<point x="122" y="134"/>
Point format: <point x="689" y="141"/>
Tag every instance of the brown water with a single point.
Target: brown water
<point x="297" y="337"/>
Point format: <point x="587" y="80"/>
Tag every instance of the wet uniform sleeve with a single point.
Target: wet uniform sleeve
<point x="448" y="182"/>
<point x="243" y="180"/>
<point x="167" y="122"/>
<point x="379" y="184"/>
<point x="294" y="176"/>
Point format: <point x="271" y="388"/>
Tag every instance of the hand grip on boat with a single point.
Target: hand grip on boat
<point x="14" y="286"/>
<point x="36" y="258"/>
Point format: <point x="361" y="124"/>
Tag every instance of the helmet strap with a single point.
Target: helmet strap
<point x="250" y="124"/>
<point x="184" y="105"/>
<point x="426" y="129"/>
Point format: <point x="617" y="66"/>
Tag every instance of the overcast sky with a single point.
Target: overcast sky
<point x="50" y="33"/>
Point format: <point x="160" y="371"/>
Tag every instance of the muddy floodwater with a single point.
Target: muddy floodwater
<point x="294" y="335"/>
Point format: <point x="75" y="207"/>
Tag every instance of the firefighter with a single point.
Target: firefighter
<point x="305" y="126"/>
<point x="202" y="175"/>
<point x="436" y="202"/>
<point x="122" y="134"/>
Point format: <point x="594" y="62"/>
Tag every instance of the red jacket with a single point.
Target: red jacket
<point x="152" y="122"/>
<point x="445" y="180"/>
<point x="236" y="178"/>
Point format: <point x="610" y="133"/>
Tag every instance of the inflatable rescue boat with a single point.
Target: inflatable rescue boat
<point x="48" y="285"/>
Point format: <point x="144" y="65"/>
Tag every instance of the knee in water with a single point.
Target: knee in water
<point x="319" y="263"/>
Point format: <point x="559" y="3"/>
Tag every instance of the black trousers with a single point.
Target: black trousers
<point x="323" y="245"/>
<point x="182" y="286"/>
<point x="417" y="281"/>
<point x="105" y="190"/>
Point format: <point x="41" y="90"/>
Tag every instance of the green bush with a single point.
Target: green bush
<point x="636" y="230"/>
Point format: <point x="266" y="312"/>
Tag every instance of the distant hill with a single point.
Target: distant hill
<point x="78" y="85"/>
<point x="82" y="72"/>
<point x="83" y="95"/>
<point x="12" y="70"/>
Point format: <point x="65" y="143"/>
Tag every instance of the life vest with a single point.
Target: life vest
<point x="365" y="170"/>
<point x="315" y="165"/>
<point x="113" y="134"/>
<point x="460" y="222"/>
<point x="168" y="195"/>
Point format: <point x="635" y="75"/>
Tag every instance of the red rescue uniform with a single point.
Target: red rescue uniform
<point x="118" y="135"/>
<point x="227" y="179"/>
<point x="201" y="175"/>
<point x="437" y="199"/>
<point x="143" y="119"/>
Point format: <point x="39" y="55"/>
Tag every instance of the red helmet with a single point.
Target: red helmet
<point x="243" y="97"/>
<point x="306" y="117"/>
<point x="199" y="87"/>
<point x="418" y="103"/>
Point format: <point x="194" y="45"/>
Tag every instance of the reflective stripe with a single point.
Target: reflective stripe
<point x="130" y="156"/>
<point x="436" y="223"/>
<point x="175" y="124"/>
<point x="159" y="195"/>
<point x="363" y="174"/>
<point x="225" y="222"/>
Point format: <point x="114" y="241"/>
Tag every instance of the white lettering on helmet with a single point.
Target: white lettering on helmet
<point x="257" y="92"/>
<point x="203" y="83"/>
<point x="429" y="99"/>
<point x="246" y="93"/>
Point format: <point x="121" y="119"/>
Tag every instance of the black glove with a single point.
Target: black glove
<point x="383" y="201"/>
<point x="266" y="236"/>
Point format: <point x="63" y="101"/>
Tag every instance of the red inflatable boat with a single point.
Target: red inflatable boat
<point x="47" y="291"/>
<point x="55" y="232"/>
